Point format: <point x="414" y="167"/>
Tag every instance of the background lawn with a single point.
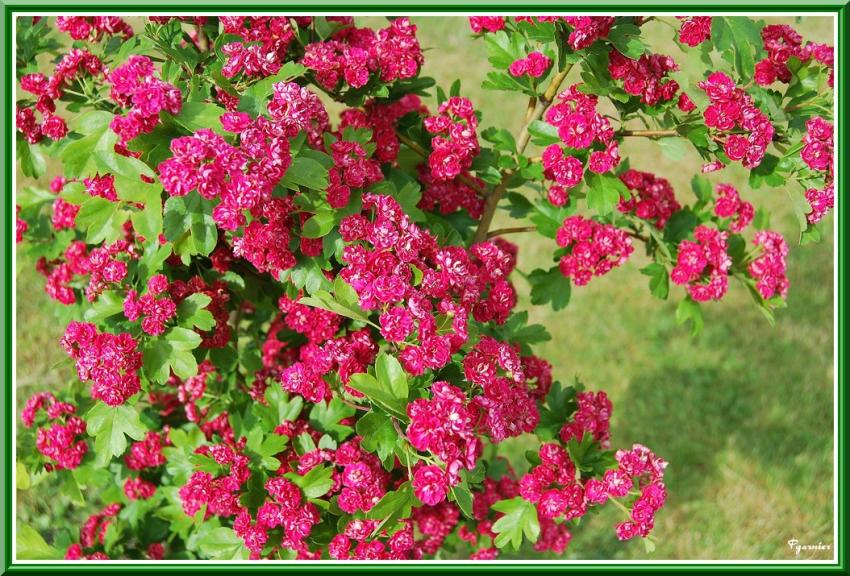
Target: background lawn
<point x="743" y="413"/>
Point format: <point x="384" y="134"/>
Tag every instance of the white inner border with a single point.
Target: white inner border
<point x="413" y="12"/>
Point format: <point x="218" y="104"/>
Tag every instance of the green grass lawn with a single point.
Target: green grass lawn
<point x="743" y="412"/>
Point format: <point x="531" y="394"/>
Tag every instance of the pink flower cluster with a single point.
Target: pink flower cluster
<point x="316" y="324"/>
<point x="703" y="265"/>
<point x="63" y="442"/>
<point x="346" y="355"/>
<point x="646" y="471"/>
<point x="730" y="205"/>
<point x="768" y="268"/>
<point x="694" y="30"/>
<point x="262" y="51"/>
<point x="821" y="202"/>
<point x="110" y="361"/>
<point x="654" y="199"/>
<point x="445" y="426"/>
<point x="645" y="77"/>
<point x="455" y="282"/>
<point x="93" y="27"/>
<point x="93" y="534"/>
<point x="101" y="264"/>
<point x="455" y="143"/>
<point x="296" y="109"/>
<point x="50" y="89"/>
<point x="139" y="489"/>
<point x="482" y="24"/>
<point x="64" y="213"/>
<point x="782" y="42"/>
<point x="135" y="86"/>
<point x="156" y="306"/>
<point x="21" y="225"/>
<point x="146" y="453"/>
<point x="534" y="65"/>
<point x="265" y="241"/>
<point x="818" y="146"/>
<point x="219" y="493"/>
<point x="580" y="126"/>
<point x="353" y="168"/>
<point x="398" y="546"/>
<point x="285" y="510"/>
<point x="354" y="54"/>
<point x="587" y="29"/>
<point x="593" y="249"/>
<point x="553" y="486"/>
<point x="508" y="403"/>
<point x="593" y="417"/>
<point x="733" y="108"/>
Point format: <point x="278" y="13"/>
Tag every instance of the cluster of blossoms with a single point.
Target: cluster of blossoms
<point x="398" y="546"/>
<point x="455" y="143"/>
<point x="64" y="213"/>
<point x="49" y="89"/>
<point x="579" y="126"/>
<point x="135" y="86"/>
<point x="703" y="265"/>
<point x="94" y="27"/>
<point x="694" y="30"/>
<point x="101" y="264"/>
<point x="733" y="108"/>
<point x="449" y="196"/>
<point x="21" y="225"/>
<point x="640" y="468"/>
<point x="535" y="65"/>
<point x="587" y="29"/>
<point x="155" y="309"/>
<point x="768" y="268"/>
<point x="352" y="169"/>
<point x="730" y="205"/>
<point x="593" y="249"/>
<point x="482" y="24"/>
<point x="782" y="42"/>
<point x="508" y="402"/>
<point x="93" y="534"/>
<point x="653" y="198"/>
<point x="593" y="417"/>
<point x="265" y="42"/>
<point x="817" y="152"/>
<point x="219" y="493"/>
<point x="346" y="355"/>
<point x="645" y="77"/>
<point x="461" y="282"/>
<point x="110" y="361"/>
<point x="354" y="54"/>
<point x="63" y="442"/>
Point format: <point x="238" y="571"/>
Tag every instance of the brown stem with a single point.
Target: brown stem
<point x="515" y="230"/>
<point x="203" y="42"/>
<point x="648" y="133"/>
<point x="353" y="405"/>
<point x="540" y="107"/>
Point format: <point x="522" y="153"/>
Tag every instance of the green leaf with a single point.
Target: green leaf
<point x="253" y="100"/>
<point x="690" y="310"/>
<point x="102" y="220"/>
<point x="191" y="312"/>
<point x="378" y="434"/>
<point x="306" y="172"/>
<point x="109" y="425"/>
<point x="673" y="148"/>
<point x="108" y="304"/>
<point x="171" y="350"/>
<point x="559" y="406"/>
<point x="30" y="159"/>
<point x="392" y="507"/>
<point x="391" y="375"/>
<point x="325" y="417"/>
<point x="659" y="280"/>
<point x="543" y="133"/>
<point x="78" y="157"/>
<point x="189" y="224"/>
<point x="197" y="115"/>
<point x="550" y="286"/>
<point x="626" y="39"/>
<point x="319" y="224"/>
<point x="503" y="49"/>
<point x="29" y="545"/>
<point x="520" y="518"/>
<point x="221" y="544"/>
<point x="379" y="394"/>
<point x="315" y="483"/>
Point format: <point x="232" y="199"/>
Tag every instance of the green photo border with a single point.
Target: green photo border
<point x="839" y="8"/>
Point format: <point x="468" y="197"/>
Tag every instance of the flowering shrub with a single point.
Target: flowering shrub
<point x="296" y="335"/>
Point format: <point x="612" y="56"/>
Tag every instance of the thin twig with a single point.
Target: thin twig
<point x="516" y="230"/>
<point x="466" y="179"/>
<point x="648" y="133"/>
